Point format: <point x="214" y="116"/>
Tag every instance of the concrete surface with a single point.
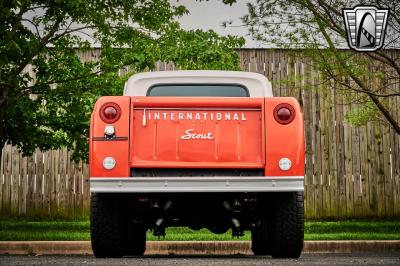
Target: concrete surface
<point x="331" y="259"/>
<point x="195" y="247"/>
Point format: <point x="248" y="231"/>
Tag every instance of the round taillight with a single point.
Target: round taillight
<point x="284" y="113"/>
<point x="110" y="112"/>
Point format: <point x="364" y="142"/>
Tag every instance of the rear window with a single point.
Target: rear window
<point x="199" y="90"/>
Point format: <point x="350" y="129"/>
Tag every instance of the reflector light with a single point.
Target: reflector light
<point x="284" y="113"/>
<point x="110" y="112"/>
<point x="285" y="164"/>
<point x="109" y="163"/>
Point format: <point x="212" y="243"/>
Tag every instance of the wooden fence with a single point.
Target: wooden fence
<point x="350" y="172"/>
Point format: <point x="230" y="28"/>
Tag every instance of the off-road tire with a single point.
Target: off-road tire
<point x="260" y="238"/>
<point x="288" y="225"/>
<point x="106" y="230"/>
<point x="134" y="241"/>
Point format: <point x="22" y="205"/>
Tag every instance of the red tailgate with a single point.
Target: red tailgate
<point x="178" y="132"/>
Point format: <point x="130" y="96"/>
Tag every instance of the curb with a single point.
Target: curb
<point x="195" y="247"/>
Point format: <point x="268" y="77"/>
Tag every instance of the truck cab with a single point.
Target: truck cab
<point x="199" y="149"/>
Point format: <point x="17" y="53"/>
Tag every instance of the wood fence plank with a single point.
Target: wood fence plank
<point x="317" y="148"/>
<point x="340" y="156"/>
<point x="38" y="183"/>
<point x="284" y="69"/>
<point x="14" y="182"/>
<point x="86" y="190"/>
<point x="62" y="183"/>
<point x="364" y="168"/>
<point x="308" y="127"/>
<point x="71" y="186"/>
<point x="68" y="206"/>
<point x="253" y="67"/>
<point x="6" y="193"/>
<point x="356" y="174"/>
<point x="78" y="189"/>
<point x="325" y="139"/>
<point x="81" y="188"/>
<point x="53" y="184"/>
<point x="348" y="166"/>
<point x="388" y="180"/>
<point x="30" y="205"/>
<point x="396" y="162"/>
<point x="47" y="184"/>
<point x="23" y="186"/>
<point x="379" y="170"/>
<point x="333" y="173"/>
<point x="372" y="170"/>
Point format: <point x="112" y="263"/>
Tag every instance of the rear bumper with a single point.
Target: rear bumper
<point x="196" y="184"/>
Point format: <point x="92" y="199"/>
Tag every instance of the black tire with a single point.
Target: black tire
<point x="288" y="225"/>
<point x="106" y="226"/>
<point x="134" y="240"/>
<point x="260" y="242"/>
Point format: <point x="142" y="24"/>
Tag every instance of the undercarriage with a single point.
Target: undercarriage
<point x="119" y="221"/>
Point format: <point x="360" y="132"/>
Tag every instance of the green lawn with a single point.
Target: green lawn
<point x="79" y="230"/>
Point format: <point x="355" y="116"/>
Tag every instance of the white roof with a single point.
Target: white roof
<point x="257" y="84"/>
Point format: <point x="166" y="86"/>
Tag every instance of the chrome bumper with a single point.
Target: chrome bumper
<point x="196" y="184"/>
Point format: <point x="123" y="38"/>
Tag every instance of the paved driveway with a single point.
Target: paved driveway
<point x="305" y="259"/>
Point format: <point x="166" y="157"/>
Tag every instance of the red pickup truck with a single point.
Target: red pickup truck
<point x="202" y="149"/>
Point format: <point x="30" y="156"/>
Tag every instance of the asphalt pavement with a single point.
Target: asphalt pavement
<point x="305" y="259"/>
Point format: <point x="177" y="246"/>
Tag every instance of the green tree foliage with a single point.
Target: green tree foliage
<point x="47" y="92"/>
<point x="315" y="28"/>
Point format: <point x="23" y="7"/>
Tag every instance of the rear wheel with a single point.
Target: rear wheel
<point x="134" y="240"/>
<point x="260" y="239"/>
<point x="106" y="226"/>
<point x="288" y="225"/>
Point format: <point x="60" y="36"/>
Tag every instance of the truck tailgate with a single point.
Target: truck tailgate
<point x="176" y="132"/>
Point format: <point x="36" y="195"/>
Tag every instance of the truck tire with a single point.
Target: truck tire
<point x="288" y="225"/>
<point x="134" y="242"/>
<point x="260" y="242"/>
<point x="106" y="226"/>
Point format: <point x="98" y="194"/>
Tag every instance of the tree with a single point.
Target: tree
<point x="316" y="27"/>
<point x="47" y="92"/>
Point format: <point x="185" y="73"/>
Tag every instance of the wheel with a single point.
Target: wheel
<point x="106" y="226"/>
<point x="134" y="242"/>
<point x="288" y="225"/>
<point x="260" y="242"/>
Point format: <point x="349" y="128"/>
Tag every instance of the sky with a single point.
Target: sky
<point x="211" y="14"/>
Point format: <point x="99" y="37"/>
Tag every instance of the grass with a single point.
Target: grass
<point x="79" y="230"/>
